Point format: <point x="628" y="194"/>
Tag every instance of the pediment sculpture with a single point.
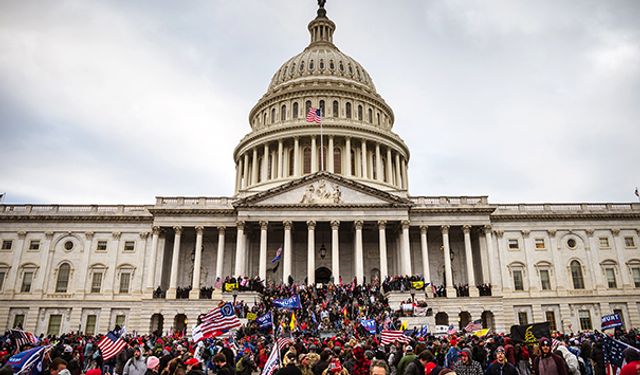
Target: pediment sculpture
<point x="321" y="194"/>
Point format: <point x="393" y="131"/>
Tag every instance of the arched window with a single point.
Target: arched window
<point x="270" y="166"/>
<point x="378" y="114"/>
<point x="337" y="160"/>
<point x="576" y="275"/>
<point x="307" y="106"/>
<point x="370" y="116"/>
<point x="273" y="115"/>
<point x="347" y="110"/>
<point x="259" y="169"/>
<point x="295" y="110"/>
<point x="283" y="113"/>
<point x="353" y="162"/>
<point x="264" y="118"/>
<point x="321" y="106"/>
<point x="291" y="161"/>
<point x="306" y="164"/>
<point x="62" y="283"/>
<point x="359" y="112"/>
<point x="334" y="111"/>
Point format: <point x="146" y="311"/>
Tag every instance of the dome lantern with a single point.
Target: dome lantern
<point x="321" y="28"/>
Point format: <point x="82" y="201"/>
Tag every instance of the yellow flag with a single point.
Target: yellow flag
<point x="251" y="316"/>
<point x="481" y="333"/>
<point x="418" y="285"/>
<point x="292" y="325"/>
<point x="403" y="326"/>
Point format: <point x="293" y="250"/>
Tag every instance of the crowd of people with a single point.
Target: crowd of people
<point x="327" y="337"/>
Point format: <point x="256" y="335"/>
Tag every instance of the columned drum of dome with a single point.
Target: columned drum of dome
<point x="357" y="123"/>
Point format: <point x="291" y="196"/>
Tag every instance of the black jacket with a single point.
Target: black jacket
<point x="496" y="368"/>
<point x="414" y="368"/>
<point x="290" y="369"/>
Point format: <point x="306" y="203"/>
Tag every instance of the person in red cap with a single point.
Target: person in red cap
<point x="466" y="365"/>
<point x="548" y="363"/>
<point x="193" y="367"/>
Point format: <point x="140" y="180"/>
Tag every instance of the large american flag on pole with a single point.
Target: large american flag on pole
<point x="389" y="336"/>
<point x="314" y="115"/>
<point x="273" y="362"/>
<point x="215" y="322"/>
<point x="111" y="344"/>
<point x="22" y="337"/>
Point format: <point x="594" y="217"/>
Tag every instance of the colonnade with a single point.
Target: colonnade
<point x="346" y="156"/>
<point x="404" y="268"/>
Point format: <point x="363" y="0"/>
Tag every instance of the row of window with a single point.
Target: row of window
<point x="603" y="242"/>
<point x="55" y="323"/>
<point x="69" y="245"/>
<point x="349" y="111"/>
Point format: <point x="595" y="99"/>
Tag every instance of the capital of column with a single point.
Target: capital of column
<point x="116" y="235"/>
<point x="423" y="229"/>
<point x="552" y="232"/>
<point x="177" y="229"/>
<point x="487" y="229"/>
<point x="199" y="229"/>
<point x="525" y="233"/>
<point x="499" y="233"/>
<point x="264" y="225"/>
<point x="221" y="230"/>
<point x="240" y="225"/>
<point x="466" y="229"/>
<point x="87" y="235"/>
<point x="22" y="234"/>
<point x="287" y="224"/>
<point x="589" y="231"/>
<point x="155" y="229"/>
<point x="335" y="224"/>
<point x="382" y="224"/>
<point x="49" y="234"/>
<point x="144" y="235"/>
<point x="311" y="224"/>
<point x="358" y="224"/>
<point x="444" y="229"/>
<point x="405" y="224"/>
<point x="615" y="231"/>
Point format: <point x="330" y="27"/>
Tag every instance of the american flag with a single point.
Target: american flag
<point x="22" y="337"/>
<point x="314" y="115"/>
<point x="476" y="325"/>
<point x="273" y="363"/>
<point x="389" y="336"/>
<point x="111" y="344"/>
<point x="452" y="330"/>
<point x="215" y="322"/>
<point x="613" y="352"/>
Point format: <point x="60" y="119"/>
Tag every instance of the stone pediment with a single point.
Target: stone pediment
<point x="323" y="189"/>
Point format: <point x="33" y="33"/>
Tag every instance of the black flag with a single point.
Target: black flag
<point x="530" y="333"/>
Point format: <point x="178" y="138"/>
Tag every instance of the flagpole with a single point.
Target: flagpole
<point x="321" y="145"/>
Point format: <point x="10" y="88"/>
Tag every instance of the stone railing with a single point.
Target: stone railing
<point x="56" y="209"/>
<point x="566" y="208"/>
<point x="446" y="201"/>
<point x="194" y="202"/>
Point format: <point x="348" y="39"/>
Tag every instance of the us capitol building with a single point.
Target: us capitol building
<point x="87" y="267"/>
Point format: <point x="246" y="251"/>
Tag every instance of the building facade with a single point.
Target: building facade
<point x="335" y="199"/>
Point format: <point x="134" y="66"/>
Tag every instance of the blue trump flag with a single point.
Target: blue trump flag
<point x="265" y="321"/>
<point x="369" y="325"/>
<point x="25" y="361"/>
<point x="288" y="303"/>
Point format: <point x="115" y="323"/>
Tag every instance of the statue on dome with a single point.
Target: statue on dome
<point x="321" y="3"/>
<point x="321" y="11"/>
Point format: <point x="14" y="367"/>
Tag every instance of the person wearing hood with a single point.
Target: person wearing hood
<point x="548" y="363"/>
<point x="632" y="360"/>
<point x="416" y="367"/>
<point x="409" y="356"/>
<point x="466" y="365"/>
<point x="570" y="359"/>
<point x="501" y="365"/>
<point x="136" y="365"/>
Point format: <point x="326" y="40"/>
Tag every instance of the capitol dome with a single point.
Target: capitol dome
<point x="356" y="140"/>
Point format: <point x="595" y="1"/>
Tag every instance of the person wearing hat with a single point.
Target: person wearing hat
<point x="501" y="365"/>
<point x="548" y="363"/>
<point x="193" y="366"/>
<point x="136" y="365"/>
<point x="466" y="365"/>
<point x="416" y="367"/>
<point x="153" y="365"/>
<point x="409" y="356"/>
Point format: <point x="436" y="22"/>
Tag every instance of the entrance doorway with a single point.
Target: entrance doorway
<point x="323" y="275"/>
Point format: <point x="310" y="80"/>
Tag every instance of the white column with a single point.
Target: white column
<point x="286" y="269"/>
<point x="398" y="172"/>
<point x="262" y="268"/>
<point x="220" y="255"/>
<point x="311" y="252"/>
<point x="405" y="175"/>
<point x="197" y="262"/>
<point x="363" y="156"/>
<point x="239" y="267"/>
<point x="425" y="253"/>
<point x="379" y="176"/>
<point x="451" y="292"/>
<point x="245" y="170"/>
<point x="493" y="268"/>
<point x="296" y="156"/>
<point x="265" y="164"/>
<point x="623" y="270"/>
<point x="175" y="258"/>
<point x="314" y="155"/>
<point x="532" y="275"/>
<point x="347" y="156"/>
<point x="473" y="290"/>
<point x="335" y="251"/>
<point x="330" y="160"/>
<point x="238" y="175"/>
<point x="406" y="249"/>
<point x="595" y="260"/>
<point x="38" y="284"/>
<point x="359" y="261"/>
<point x="382" y="243"/>
<point x="254" y="167"/>
<point x="389" y="167"/>
<point x="280" y="160"/>
<point x="151" y="275"/>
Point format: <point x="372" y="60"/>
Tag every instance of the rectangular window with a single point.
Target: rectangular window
<point x="540" y="245"/>
<point x="34" y="245"/>
<point x="3" y="274"/>
<point x="611" y="278"/>
<point x="55" y="321"/>
<point x="522" y="318"/>
<point x="518" y="283"/>
<point x="18" y="321"/>
<point x="7" y="244"/>
<point x="629" y="242"/>
<point x="27" y="279"/>
<point x="513" y="244"/>
<point x="585" y="320"/>
<point x="125" y="279"/>
<point x="96" y="282"/>
<point x="635" y="272"/>
<point x="90" y="326"/>
<point x="120" y="320"/>
<point x="102" y="246"/>
<point x="129" y="245"/>
<point x="545" y="280"/>
<point x="550" y="316"/>
<point x="604" y="242"/>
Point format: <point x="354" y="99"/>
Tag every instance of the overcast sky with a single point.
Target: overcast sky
<point x="120" y="101"/>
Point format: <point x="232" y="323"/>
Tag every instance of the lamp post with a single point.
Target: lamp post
<point x="323" y="251"/>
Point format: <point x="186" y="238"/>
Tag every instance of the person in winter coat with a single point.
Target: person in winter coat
<point x="466" y="365"/>
<point x="570" y="359"/>
<point x="409" y="356"/>
<point x="416" y="367"/>
<point x="361" y="364"/>
<point x="136" y="365"/>
<point x="220" y="360"/>
<point x="548" y="363"/>
<point x="501" y="366"/>
<point x="153" y="365"/>
<point x="193" y="367"/>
